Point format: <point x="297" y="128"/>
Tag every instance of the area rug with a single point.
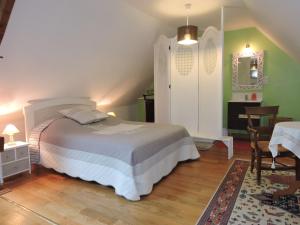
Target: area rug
<point x="239" y="200"/>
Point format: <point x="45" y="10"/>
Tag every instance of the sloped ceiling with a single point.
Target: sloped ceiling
<point x="104" y="48"/>
<point x="97" y="48"/>
<point x="278" y="19"/>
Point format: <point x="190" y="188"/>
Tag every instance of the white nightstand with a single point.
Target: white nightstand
<point x="14" y="160"/>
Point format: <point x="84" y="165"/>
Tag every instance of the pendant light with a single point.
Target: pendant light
<point x="188" y="34"/>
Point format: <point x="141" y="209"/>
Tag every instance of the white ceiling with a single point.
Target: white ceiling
<point x="278" y="19"/>
<point x="203" y="12"/>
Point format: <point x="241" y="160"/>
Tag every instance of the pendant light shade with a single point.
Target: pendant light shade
<point x="187" y="35"/>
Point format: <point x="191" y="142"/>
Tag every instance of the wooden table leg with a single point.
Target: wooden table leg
<point x="297" y="169"/>
<point x="293" y="184"/>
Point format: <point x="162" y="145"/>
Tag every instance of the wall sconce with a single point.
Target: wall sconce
<point x="112" y="114"/>
<point x="10" y="108"/>
<point x="248" y="52"/>
<point x="104" y="102"/>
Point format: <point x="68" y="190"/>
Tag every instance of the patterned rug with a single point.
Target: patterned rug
<point x="239" y="200"/>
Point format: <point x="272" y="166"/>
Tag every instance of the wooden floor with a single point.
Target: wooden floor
<point x="47" y="197"/>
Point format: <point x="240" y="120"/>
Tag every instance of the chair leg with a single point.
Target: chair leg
<point x="258" y="168"/>
<point x="252" y="160"/>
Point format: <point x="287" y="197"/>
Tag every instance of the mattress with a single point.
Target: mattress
<point x="128" y="156"/>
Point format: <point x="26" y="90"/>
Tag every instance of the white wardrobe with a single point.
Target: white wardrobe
<point x="188" y="84"/>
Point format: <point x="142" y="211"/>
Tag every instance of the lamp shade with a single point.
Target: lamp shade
<point x="187" y="35"/>
<point x="10" y="129"/>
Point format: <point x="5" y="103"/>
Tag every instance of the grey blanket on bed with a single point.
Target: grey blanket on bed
<point x="131" y="142"/>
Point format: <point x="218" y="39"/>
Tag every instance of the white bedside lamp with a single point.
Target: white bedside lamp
<point x="10" y="130"/>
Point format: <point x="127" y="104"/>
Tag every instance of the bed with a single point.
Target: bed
<point x="129" y="156"/>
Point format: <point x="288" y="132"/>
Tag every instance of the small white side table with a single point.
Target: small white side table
<point x="14" y="160"/>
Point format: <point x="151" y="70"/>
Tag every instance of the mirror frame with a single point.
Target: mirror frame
<point x="259" y="55"/>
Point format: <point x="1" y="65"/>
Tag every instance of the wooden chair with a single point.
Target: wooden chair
<point x="260" y="137"/>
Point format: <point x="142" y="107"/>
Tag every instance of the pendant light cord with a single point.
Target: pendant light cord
<point x="187" y="7"/>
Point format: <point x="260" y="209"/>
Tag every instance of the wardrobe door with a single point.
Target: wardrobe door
<point x="210" y="84"/>
<point x="162" y="80"/>
<point x="184" y="86"/>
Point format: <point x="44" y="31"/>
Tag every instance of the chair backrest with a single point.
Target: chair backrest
<point x="269" y="112"/>
<point x="281" y="119"/>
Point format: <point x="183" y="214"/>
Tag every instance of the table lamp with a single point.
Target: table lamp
<point x="10" y="130"/>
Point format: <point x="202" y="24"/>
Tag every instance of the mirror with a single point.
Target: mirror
<point x="247" y="71"/>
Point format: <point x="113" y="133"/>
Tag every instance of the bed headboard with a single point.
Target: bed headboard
<point x="38" y="111"/>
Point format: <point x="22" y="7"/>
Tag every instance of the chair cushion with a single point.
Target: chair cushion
<point x="264" y="146"/>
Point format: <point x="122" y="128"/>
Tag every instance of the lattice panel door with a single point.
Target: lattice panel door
<point x="210" y="83"/>
<point x="184" y="86"/>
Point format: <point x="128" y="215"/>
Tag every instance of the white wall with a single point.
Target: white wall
<point x="126" y="112"/>
<point x="97" y="48"/>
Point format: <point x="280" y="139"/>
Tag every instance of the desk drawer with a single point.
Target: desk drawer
<point x="237" y="119"/>
<point x="7" y="156"/>
<point x="15" y="167"/>
<point x="22" y="152"/>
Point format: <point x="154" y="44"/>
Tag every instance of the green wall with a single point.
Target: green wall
<point x="283" y="72"/>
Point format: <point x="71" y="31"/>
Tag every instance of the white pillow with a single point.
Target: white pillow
<point x="84" y="116"/>
<point x="74" y="109"/>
